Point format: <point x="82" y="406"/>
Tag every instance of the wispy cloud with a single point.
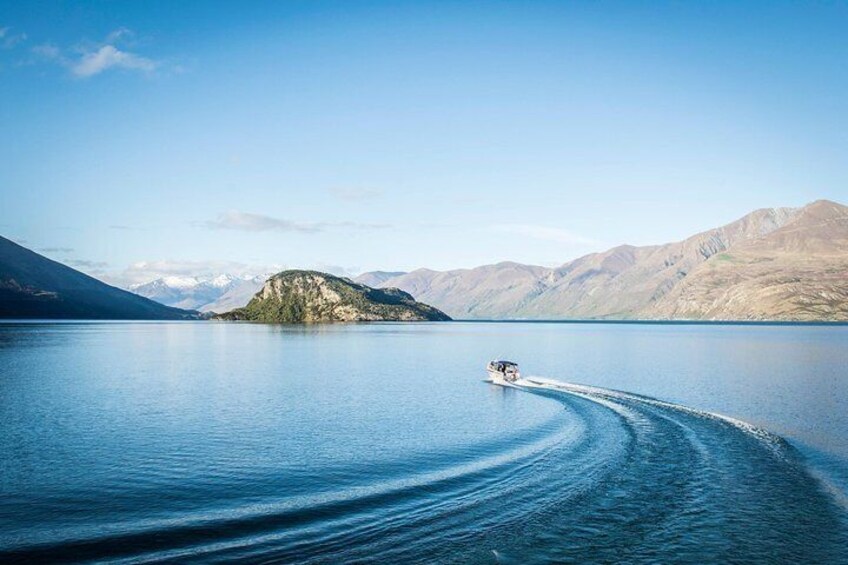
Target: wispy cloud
<point x="245" y="221"/>
<point x="90" y="59"/>
<point x="546" y="233"/>
<point x="84" y="264"/>
<point x="120" y="35"/>
<point x="48" y="52"/>
<point x="338" y="270"/>
<point x="8" y="39"/>
<point x="355" y="194"/>
<point x="108" y="57"/>
<point x="357" y="225"/>
<point x="56" y="250"/>
<point x="248" y="222"/>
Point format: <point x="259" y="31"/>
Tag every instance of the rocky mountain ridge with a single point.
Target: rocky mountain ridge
<point x="772" y="264"/>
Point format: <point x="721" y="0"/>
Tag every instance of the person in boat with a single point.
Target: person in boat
<point x="506" y="369"/>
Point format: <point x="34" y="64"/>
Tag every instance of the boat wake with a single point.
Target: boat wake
<point x="773" y="441"/>
<point x="718" y="489"/>
<point x="613" y="477"/>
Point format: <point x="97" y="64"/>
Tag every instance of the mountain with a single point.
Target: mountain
<point x="776" y="263"/>
<point x="218" y="294"/>
<point x="236" y="295"/>
<point x="376" y="278"/>
<point x="491" y="291"/>
<point x="33" y="286"/>
<point x="311" y="296"/>
<point x="796" y="272"/>
<point x="180" y="292"/>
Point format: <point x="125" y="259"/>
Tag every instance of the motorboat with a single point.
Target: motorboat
<point x="503" y="372"/>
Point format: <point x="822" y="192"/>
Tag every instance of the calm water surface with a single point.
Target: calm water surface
<point x="208" y="442"/>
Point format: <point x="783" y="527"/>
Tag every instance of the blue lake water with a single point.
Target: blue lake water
<point x="214" y="443"/>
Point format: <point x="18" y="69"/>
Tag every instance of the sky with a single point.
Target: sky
<point x="139" y="139"/>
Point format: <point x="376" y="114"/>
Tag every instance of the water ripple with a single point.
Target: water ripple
<point x="613" y="477"/>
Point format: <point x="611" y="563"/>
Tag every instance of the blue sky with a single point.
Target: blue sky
<point x="142" y="138"/>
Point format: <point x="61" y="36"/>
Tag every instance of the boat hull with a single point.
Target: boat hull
<point x="499" y="378"/>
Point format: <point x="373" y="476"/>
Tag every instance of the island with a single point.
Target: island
<point x="296" y="296"/>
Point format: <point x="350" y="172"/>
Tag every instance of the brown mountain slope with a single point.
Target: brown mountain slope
<point x="629" y="282"/>
<point x="619" y="283"/>
<point x="798" y="272"/>
<point x="484" y="292"/>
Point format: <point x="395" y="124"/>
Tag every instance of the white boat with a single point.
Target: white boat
<point x="503" y="372"/>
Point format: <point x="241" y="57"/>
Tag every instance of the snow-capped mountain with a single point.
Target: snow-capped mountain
<point x="220" y="293"/>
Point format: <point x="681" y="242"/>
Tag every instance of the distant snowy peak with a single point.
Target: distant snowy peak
<point x="181" y="282"/>
<point x="222" y="281"/>
<point x="201" y="293"/>
<point x="174" y="282"/>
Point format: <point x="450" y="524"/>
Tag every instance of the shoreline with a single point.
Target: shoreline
<point x="824" y="323"/>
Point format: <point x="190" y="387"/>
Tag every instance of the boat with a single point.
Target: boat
<point x="503" y="372"/>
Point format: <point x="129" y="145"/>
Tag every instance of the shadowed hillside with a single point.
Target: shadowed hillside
<point x="33" y="286"/>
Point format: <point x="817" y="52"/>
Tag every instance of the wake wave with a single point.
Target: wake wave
<point x="613" y="477"/>
<point x="696" y="486"/>
<point x="776" y="443"/>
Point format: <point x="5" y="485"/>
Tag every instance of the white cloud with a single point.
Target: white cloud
<point x="120" y="35"/>
<point x="355" y="194"/>
<point x="90" y="59"/>
<point x="546" y="233"/>
<point x="246" y="221"/>
<point x="108" y="57"/>
<point x="145" y="271"/>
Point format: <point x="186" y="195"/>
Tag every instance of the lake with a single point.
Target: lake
<point x="213" y="442"/>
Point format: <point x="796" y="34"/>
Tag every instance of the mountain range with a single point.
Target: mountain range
<point x="772" y="264"/>
<point x="33" y="286"/>
<point x="221" y="293"/>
